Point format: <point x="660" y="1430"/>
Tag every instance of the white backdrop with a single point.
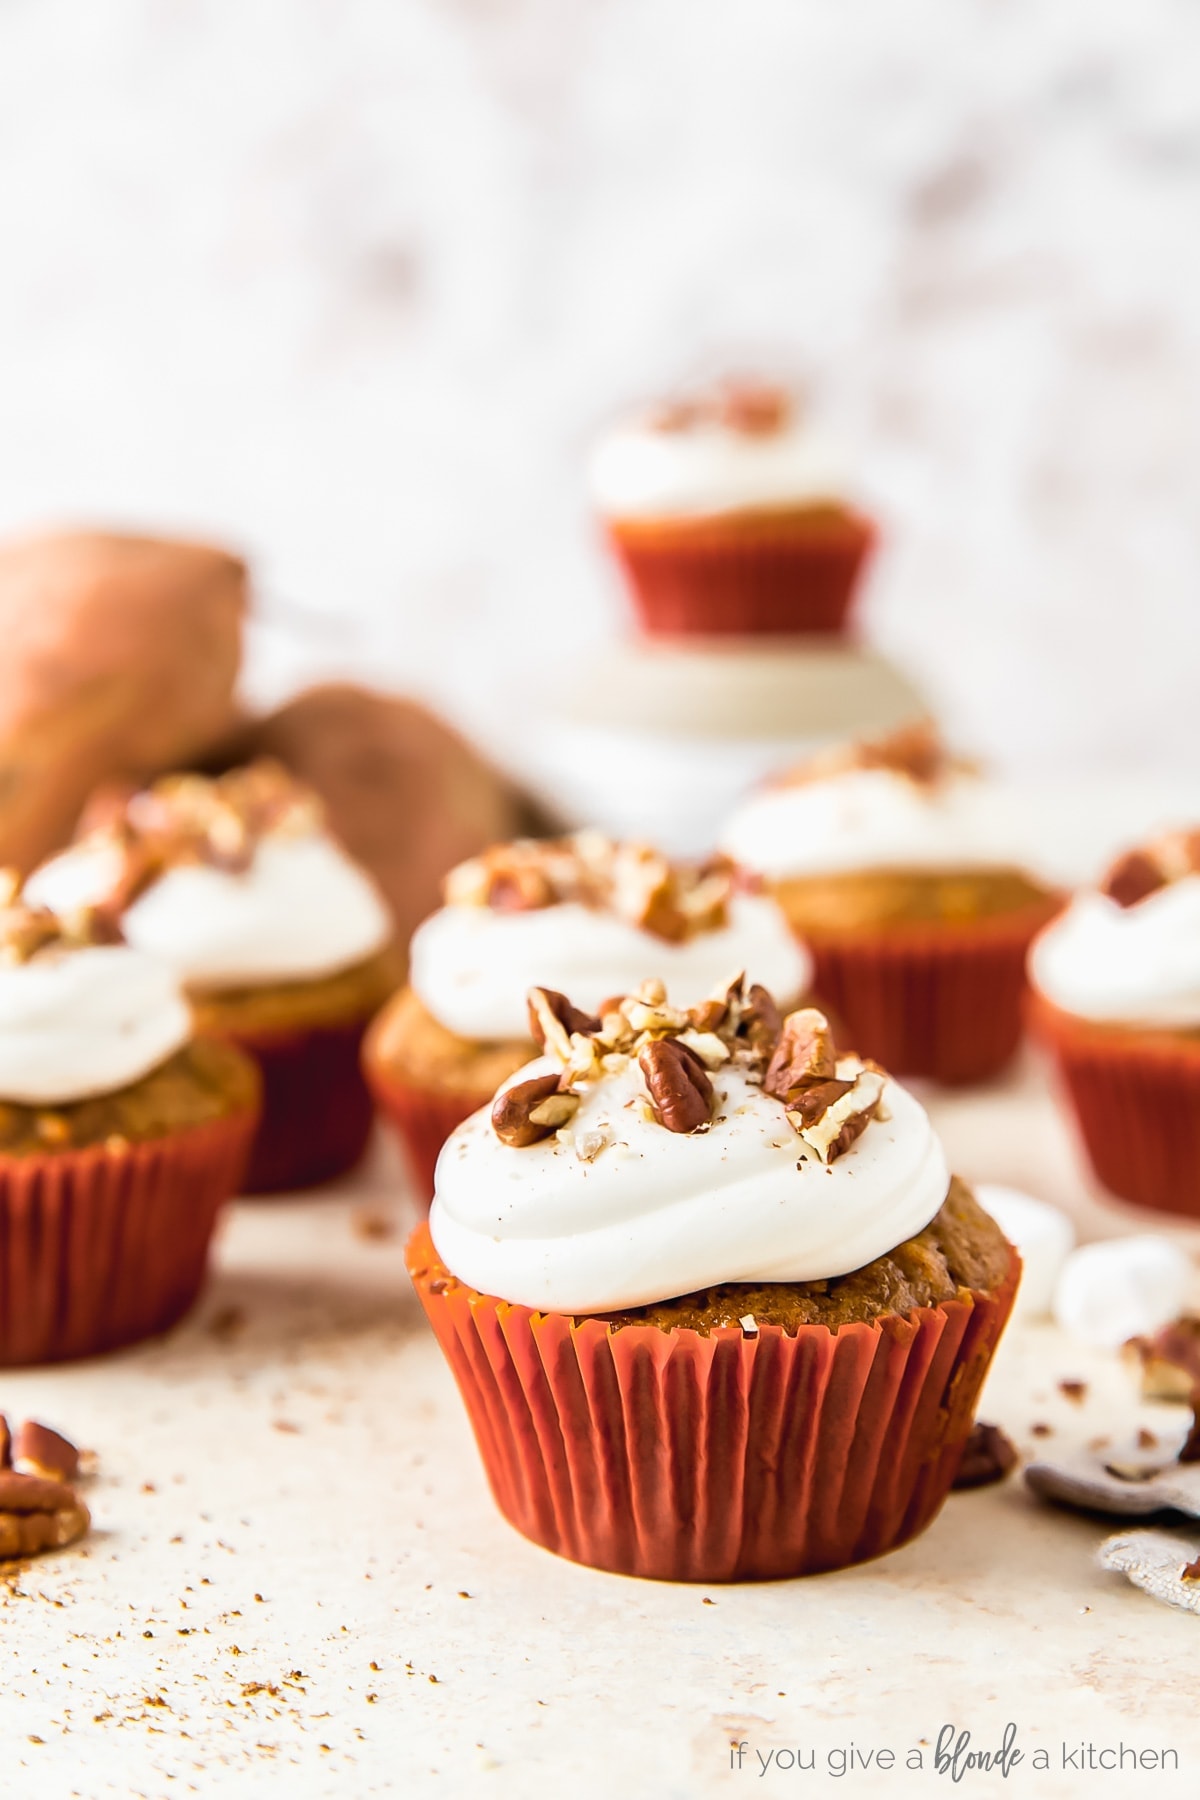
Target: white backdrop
<point x="349" y="282"/>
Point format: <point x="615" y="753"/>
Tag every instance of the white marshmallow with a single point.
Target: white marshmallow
<point x="1043" y="1234"/>
<point x="1122" y="1288"/>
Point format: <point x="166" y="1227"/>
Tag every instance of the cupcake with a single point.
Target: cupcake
<point x="282" y="943"/>
<point x="120" y="1136"/>
<point x="716" y="1307"/>
<point x="728" y="514"/>
<point x="582" y="915"/>
<point x="1116" y="999"/>
<point x="908" y="892"/>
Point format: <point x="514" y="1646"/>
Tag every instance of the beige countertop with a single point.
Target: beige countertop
<point x="297" y="1582"/>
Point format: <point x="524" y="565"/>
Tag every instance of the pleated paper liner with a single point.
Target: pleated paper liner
<point x="422" y="1118"/>
<point x="317" y="1112"/>
<point x="780" y="576"/>
<point x="1136" y="1099"/>
<point x="943" y="1001"/>
<point x="103" y="1246"/>
<point x="731" y="1457"/>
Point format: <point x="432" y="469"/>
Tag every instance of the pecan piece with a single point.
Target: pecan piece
<point x="531" y="1111"/>
<point x="838" y="1125"/>
<point x="803" y="1055"/>
<point x="678" y="1084"/>
<point x="1190" y="1453"/>
<point x="547" y="1008"/>
<point x="36" y="1514"/>
<point x="36" y="1450"/>
<point x="761" y="1022"/>
<point x="988" y="1455"/>
<point x="754" y="408"/>
<point x="1133" y="877"/>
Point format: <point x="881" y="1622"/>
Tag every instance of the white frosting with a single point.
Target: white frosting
<point x="868" y="819"/>
<point x="638" y="472"/>
<point x="301" y="910"/>
<point x="1042" y="1233"/>
<point x="658" y="1213"/>
<point x="472" y="967"/>
<point x="1122" y="1288"/>
<point x="1125" y="964"/>
<point x="77" y="1022"/>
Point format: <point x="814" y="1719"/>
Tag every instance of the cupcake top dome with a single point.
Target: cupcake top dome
<point x="230" y="880"/>
<point x="732" y="446"/>
<point x="81" y="1013"/>
<point x="655" y="1151"/>
<point x="895" y="802"/>
<point x="594" y="916"/>
<point x="1128" y="951"/>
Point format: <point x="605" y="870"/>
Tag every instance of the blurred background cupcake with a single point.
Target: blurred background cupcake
<point x="887" y="861"/>
<point x="582" y="915"/>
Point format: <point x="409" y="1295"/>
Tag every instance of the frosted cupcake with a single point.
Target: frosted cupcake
<point x="581" y="914"/>
<point x="918" y="913"/>
<point x="729" y="514"/>
<point x="716" y="1307"/>
<point x="1116" y="984"/>
<point x="120" y="1136"/>
<point x="283" y="944"/>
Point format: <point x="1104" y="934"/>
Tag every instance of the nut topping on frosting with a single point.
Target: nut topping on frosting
<point x="915" y="751"/>
<point x="750" y="408"/>
<point x="673" y="901"/>
<point x="829" y="1101"/>
<point x="27" y="931"/>
<point x="1153" y="866"/>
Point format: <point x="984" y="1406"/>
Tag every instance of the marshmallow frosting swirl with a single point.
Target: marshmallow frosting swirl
<point x="860" y="819"/>
<point x="471" y="967"/>
<point x="641" y="472"/>
<point x="79" y="1022"/>
<point x="1131" y="965"/>
<point x="303" y="909"/>
<point x="658" y="1213"/>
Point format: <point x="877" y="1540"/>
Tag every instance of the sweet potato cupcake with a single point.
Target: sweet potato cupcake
<point x="581" y="914"/>
<point x="728" y="514"/>
<point x="716" y="1307"/>
<point x="283" y="944"/>
<point x="1116" y="999"/>
<point x="120" y="1136"/>
<point x="910" y="895"/>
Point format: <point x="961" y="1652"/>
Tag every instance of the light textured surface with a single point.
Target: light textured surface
<point x="351" y="282"/>
<point x="297" y="1582"/>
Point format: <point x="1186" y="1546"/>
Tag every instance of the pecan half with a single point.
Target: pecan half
<point x="678" y="1085"/>
<point x="36" y="1450"/>
<point x="754" y="408"/>
<point x="547" y="1008"/>
<point x="988" y="1456"/>
<point x="803" y="1055"/>
<point x="531" y="1111"/>
<point x="36" y="1514"/>
<point x="761" y="1022"/>
<point x="1133" y="877"/>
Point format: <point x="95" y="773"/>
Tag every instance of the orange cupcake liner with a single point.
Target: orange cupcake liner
<point x="1136" y="1099"/>
<point x="939" y="1001"/>
<point x="422" y="1119"/>
<point x="712" y="579"/>
<point x="317" y="1112"/>
<point x="103" y="1246"/>
<point x="730" y="1457"/>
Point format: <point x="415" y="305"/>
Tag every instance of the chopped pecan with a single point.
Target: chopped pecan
<point x="547" y="1008"/>
<point x="36" y="1514"/>
<point x="678" y="1085"/>
<point x="760" y="1022"/>
<point x="1169" y="1362"/>
<point x="532" y="1110"/>
<point x="36" y="1450"/>
<point x="1133" y="877"/>
<point x="755" y="408"/>
<point x="989" y="1455"/>
<point x="803" y="1055"/>
<point x="844" y="1120"/>
<point x="1190" y="1453"/>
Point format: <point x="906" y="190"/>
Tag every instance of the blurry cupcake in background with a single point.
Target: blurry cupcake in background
<point x="120" y="1136"/>
<point x="715" y="1304"/>
<point x="1116" y="1000"/>
<point x="729" y="514"/>
<point x="283" y="944"/>
<point x="581" y="915"/>
<point x="907" y="890"/>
